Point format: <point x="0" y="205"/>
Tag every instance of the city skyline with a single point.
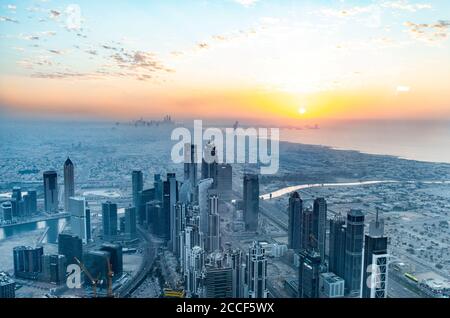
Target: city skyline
<point x="284" y="60"/>
<point x="255" y="150"/>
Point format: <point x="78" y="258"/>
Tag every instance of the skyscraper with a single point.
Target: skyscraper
<point x="16" y="193"/>
<point x="308" y="274"/>
<point x="71" y="246"/>
<point x="194" y="273"/>
<point x="257" y="271"/>
<point x="155" y="219"/>
<point x="320" y="225"/>
<point x="115" y="257"/>
<point x="130" y="221"/>
<point x="109" y="218"/>
<point x="203" y="188"/>
<point x="80" y="218"/>
<point x="17" y="202"/>
<point x="6" y="208"/>
<point x="27" y="261"/>
<point x="223" y="181"/>
<point x="53" y="268"/>
<point x="190" y="164"/>
<point x="307" y="239"/>
<point x="218" y="282"/>
<point x="354" y="239"/>
<point x="209" y="162"/>
<point x="375" y="264"/>
<point x="251" y="201"/>
<point x="236" y="263"/>
<point x="51" y="191"/>
<point x="96" y="263"/>
<point x="69" y="182"/>
<point x="295" y="210"/>
<point x="213" y="234"/>
<point x="170" y="199"/>
<point x="31" y="202"/>
<point x="144" y="197"/>
<point x="336" y="259"/>
<point x="137" y="180"/>
<point x="180" y="225"/>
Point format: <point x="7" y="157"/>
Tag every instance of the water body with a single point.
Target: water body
<point x="287" y="190"/>
<point x="55" y="226"/>
<point x="416" y="140"/>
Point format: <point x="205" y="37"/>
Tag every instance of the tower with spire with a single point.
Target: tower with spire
<point x="69" y="182"/>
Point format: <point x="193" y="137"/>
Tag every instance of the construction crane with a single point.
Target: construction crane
<point x="110" y="278"/>
<point x="94" y="282"/>
<point x="41" y="237"/>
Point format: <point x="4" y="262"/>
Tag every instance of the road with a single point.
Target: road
<point x="287" y="190"/>
<point x="149" y="254"/>
<point x="398" y="289"/>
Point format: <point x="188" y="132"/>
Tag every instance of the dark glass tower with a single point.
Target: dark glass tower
<point x="251" y="201"/>
<point x="137" y="180"/>
<point x="319" y="225"/>
<point x="218" y="282"/>
<point x="209" y="165"/>
<point x="190" y="164"/>
<point x="170" y="198"/>
<point x="115" y="257"/>
<point x="354" y="240"/>
<point x="69" y="183"/>
<point x="295" y="210"/>
<point x="31" y="202"/>
<point x="109" y="218"/>
<point x="308" y="274"/>
<point x="223" y="181"/>
<point x="70" y="246"/>
<point x="130" y="221"/>
<point x="336" y="259"/>
<point x="51" y="191"/>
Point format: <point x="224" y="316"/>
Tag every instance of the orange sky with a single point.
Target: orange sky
<point x="266" y="61"/>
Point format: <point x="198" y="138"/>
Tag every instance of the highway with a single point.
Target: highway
<point x="149" y="254"/>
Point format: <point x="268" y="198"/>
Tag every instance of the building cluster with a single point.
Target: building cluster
<point x="185" y="215"/>
<point x="32" y="263"/>
<point x="21" y="205"/>
<point x="356" y="264"/>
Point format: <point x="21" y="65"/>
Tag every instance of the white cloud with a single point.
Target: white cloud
<point x="405" y="5"/>
<point x="246" y="3"/>
<point x="351" y="11"/>
<point x="431" y="33"/>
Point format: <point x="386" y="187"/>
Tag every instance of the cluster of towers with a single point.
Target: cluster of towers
<point x="356" y="263"/>
<point x="186" y="215"/>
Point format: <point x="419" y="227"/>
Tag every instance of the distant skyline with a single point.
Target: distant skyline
<point x="281" y="61"/>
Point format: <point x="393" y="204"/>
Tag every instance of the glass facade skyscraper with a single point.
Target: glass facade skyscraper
<point x="51" y="200"/>
<point x="354" y="241"/>
<point x="251" y="201"/>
